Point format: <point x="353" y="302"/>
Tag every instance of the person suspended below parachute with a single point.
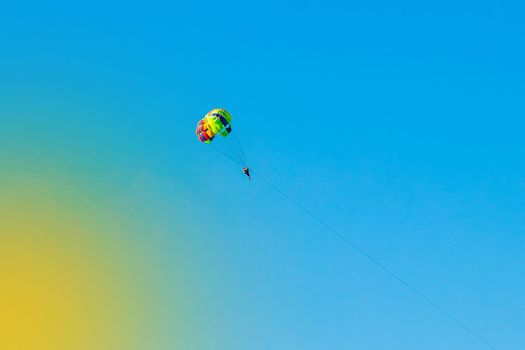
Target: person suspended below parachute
<point x="219" y="122"/>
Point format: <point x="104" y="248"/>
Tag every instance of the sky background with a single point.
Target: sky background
<point x="400" y="124"/>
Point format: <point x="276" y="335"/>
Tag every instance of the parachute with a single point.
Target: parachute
<point x="216" y="122"/>
<point x="219" y="122"/>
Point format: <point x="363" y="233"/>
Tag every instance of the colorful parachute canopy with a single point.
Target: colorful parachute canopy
<point x="216" y="122"/>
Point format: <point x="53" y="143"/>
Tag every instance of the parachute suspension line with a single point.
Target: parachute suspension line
<point x="245" y="161"/>
<point x="236" y="150"/>
<point x="225" y="154"/>
<point x="233" y="150"/>
<point x="376" y="262"/>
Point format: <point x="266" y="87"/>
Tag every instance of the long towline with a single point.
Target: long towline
<point x="376" y="262"/>
<point x="369" y="257"/>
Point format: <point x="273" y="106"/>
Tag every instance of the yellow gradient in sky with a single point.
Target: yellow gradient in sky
<point x="67" y="278"/>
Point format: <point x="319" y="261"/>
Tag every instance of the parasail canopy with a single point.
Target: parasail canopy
<point x="216" y="122"/>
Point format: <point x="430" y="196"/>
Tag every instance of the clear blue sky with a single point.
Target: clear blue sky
<point x="399" y="123"/>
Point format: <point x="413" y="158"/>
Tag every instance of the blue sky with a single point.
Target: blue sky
<point x="400" y="124"/>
